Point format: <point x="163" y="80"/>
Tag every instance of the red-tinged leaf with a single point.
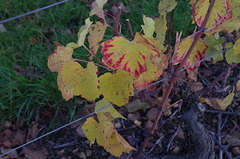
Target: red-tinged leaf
<point x="197" y="53"/>
<point x="219" y="9"/>
<point x="96" y="33"/>
<point x="117" y="87"/>
<point x="83" y="81"/>
<point x="60" y="56"/>
<point x="120" y="53"/>
<point x="146" y="78"/>
<point x="106" y="135"/>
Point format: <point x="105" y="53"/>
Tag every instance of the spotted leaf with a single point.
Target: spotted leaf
<point x="117" y="87"/>
<point x="148" y="26"/>
<point x="96" y="33"/>
<point x="106" y="135"/>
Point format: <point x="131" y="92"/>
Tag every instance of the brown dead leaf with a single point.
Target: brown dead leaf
<point x="35" y="153"/>
<point x="32" y="132"/>
<point x="196" y="86"/>
<point x="221" y="104"/>
<point x="152" y="113"/>
<point x="136" y="105"/>
<point x="193" y="74"/>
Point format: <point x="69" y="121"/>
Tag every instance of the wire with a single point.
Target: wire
<point x="34" y="11"/>
<point x="103" y="107"/>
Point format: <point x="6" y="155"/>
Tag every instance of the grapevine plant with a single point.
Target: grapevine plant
<point x="136" y="64"/>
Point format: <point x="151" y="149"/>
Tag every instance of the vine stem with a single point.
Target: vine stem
<point x="173" y="80"/>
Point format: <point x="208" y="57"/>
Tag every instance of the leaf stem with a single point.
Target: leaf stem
<point x="173" y="80"/>
<point x="94" y="63"/>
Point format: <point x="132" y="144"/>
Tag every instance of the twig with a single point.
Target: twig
<point x="223" y="148"/>
<point x="175" y="77"/>
<point x="225" y="121"/>
<point x="156" y="143"/>
<point x="130" y="28"/>
<point x="65" y="145"/>
<point x="223" y="112"/>
<point x="216" y="80"/>
<point x="219" y="134"/>
<point x="172" y="138"/>
<point x="117" y="21"/>
<point x="92" y="54"/>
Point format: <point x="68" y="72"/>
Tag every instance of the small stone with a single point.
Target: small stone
<point x="82" y="155"/>
<point x="215" y="121"/>
<point x="236" y="150"/>
<point x="75" y="151"/>
<point x="167" y="112"/>
<point x="138" y="123"/>
<point x="61" y="152"/>
<point x="88" y="153"/>
<point x="180" y="134"/>
<point x="118" y="125"/>
<point x="176" y="150"/>
<point x="152" y="113"/>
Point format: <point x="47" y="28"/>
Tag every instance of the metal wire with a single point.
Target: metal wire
<point x="34" y="11"/>
<point x="103" y="107"/>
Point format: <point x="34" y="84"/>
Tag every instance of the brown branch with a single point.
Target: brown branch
<point x="117" y="21"/>
<point x="130" y="28"/>
<point x="175" y="77"/>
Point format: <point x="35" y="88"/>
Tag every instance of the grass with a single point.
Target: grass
<point x="26" y="83"/>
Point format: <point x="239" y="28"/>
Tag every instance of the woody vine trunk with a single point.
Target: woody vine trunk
<point x="173" y="80"/>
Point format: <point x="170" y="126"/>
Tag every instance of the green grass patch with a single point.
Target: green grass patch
<point x="26" y="83"/>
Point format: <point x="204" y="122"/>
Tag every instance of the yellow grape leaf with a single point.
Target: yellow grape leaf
<point x="236" y="48"/>
<point x="148" y="27"/>
<point x="96" y="33"/>
<point x="230" y="54"/>
<point x="73" y="45"/>
<point x="166" y="6"/>
<point x="83" y="32"/>
<point x="117" y="87"/>
<point x="67" y="94"/>
<point x="83" y="81"/>
<point x="146" y="78"/>
<point x="238" y="85"/>
<point x="161" y="27"/>
<point x="119" y="53"/>
<point x="221" y="104"/>
<point x="104" y="102"/>
<point x="218" y="11"/>
<point x="106" y="135"/>
<point x="197" y="53"/>
<point x="60" y="56"/>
